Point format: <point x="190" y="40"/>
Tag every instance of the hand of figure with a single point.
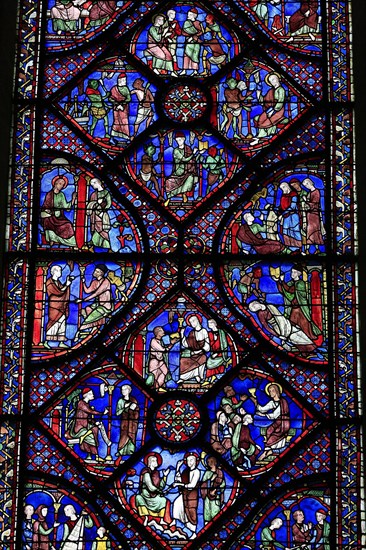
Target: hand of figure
<point x="307" y="13"/>
<point x="166" y="472"/>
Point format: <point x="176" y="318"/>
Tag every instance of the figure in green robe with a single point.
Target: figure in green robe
<point x="192" y="30"/>
<point x="212" y="489"/>
<point x="99" y="203"/>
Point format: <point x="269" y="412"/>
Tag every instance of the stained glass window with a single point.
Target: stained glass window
<point x="179" y="361"/>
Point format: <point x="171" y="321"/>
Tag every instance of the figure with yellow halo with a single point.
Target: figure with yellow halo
<point x="150" y="501"/>
<point x="273" y="104"/>
<point x="277" y="410"/>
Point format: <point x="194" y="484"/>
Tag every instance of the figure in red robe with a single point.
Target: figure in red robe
<point x="305" y="20"/>
<point x="314" y="225"/>
<point x="249" y="234"/>
<point x="58" y="306"/>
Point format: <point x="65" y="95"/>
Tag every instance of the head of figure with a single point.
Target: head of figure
<point x="210" y="20"/>
<point x="232" y="83"/>
<point x="276" y="523"/>
<point x="256" y="306"/>
<point x="126" y="390"/>
<point x="28" y="510"/>
<point x="212" y="325"/>
<point x="309" y="184"/>
<point x="192" y="15"/>
<point x="93" y="83"/>
<point x="56" y="272"/>
<point x="296" y="272"/>
<point x="222" y="418"/>
<point x="69" y="511"/>
<point x="59" y="183"/>
<point x="152" y="462"/>
<point x="99" y="271"/>
<point x="285" y="188"/>
<point x="194" y="321"/>
<point x="122" y="81"/>
<point x="88" y="395"/>
<point x="247" y="419"/>
<point x="229" y="391"/>
<point x="320" y="515"/>
<point x="171" y="15"/>
<point x="159" y="21"/>
<point x="191" y="461"/>
<point x="212" y="463"/>
<point x="96" y="184"/>
<point x="138" y="84"/>
<point x="101" y="532"/>
<point x="274" y="80"/>
<point x="150" y="149"/>
<point x="298" y="516"/>
<point x="159" y="332"/>
<point x="248" y="218"/>
<point x="44" y="511"/>
<point x="295" y="184"/>
<point x="180" y="139"/>
<point x="274" y="392"/>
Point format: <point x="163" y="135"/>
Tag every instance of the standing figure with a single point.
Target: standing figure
<point x="128" y="410"/>
<point x="268" y="536"/>
<point x="305" y="20"/>
<point x="195" y="347"/>
<point x="150" y="501"/>
<point x="100" y="291"/>
<point x="260" y="8"/>
<point x="157" y="366"/>
<point x="275" y="409"/>
<point x="162" y="59"/>
<point x="186" y="504"/>
<point x="28" y="527"/>
<point x="321" y="535"/>
<point x="146" y="100"/>
<point x="85" y="428"/>
<point x="58" y="295"/>
<point x="101" y="541"/>
<point x="213" y="45"/>
<point x="98" y="108"/>
<point x="65" y="17"/>
<point x="73" y="533"/>
<point x="184" y="174"/>
<point x="244" y="451"/>
<point x="192" y="30"/>
<point x="233" y="107"/>
<point x="273" y="108"/>
<point x="297" y="307"/>
<point x="100" y="11"/>
<point x="289" y="220"/>
<point x="215" y="165"/>
<point x="218" y="359"/>
<point x="174" y="31"/>
<point x="221" y="434"/>
<point x="212" y="489"/>
<point x="148" y="172"/>
<point x="99" y="203"/>
<point x="57" y="227"/>
<point x="41" y="531"/>
<point x="301" y="532"/>
<point x="314" y="224"/>
<point x="120" y="98"/>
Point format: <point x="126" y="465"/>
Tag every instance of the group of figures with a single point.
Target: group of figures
<point x="254" y="423"/>
<point x="305" y="536"/>
<point x="55" y="525"/>
<point x="286" y="302"/>
<point x="114" y="104"/>
<point x="294" y="22"/>
<point x="69" y="17"/>
<point x="177" y="494"/>
<point x="101" y="422"/>
<point x="78" y="212"/>
<point x="76" y="300"/>
<point x="185" y="41"/>
<point x="281" y="218"/>
<point x="180" y="348"/>
<point x="182" y="167"/>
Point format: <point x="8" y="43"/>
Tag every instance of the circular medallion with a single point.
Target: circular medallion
<point x="185" y="103"/>
<point x="177" y="420"/>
